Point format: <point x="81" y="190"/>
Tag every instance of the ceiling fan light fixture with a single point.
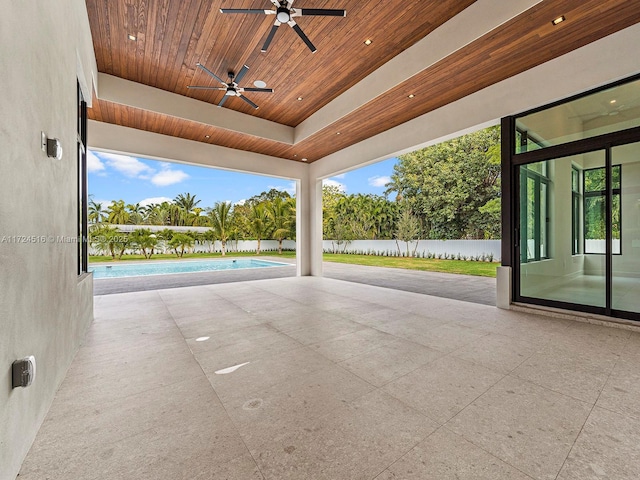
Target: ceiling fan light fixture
<point x="283" y="15"/>
<point x="558" y="20"/>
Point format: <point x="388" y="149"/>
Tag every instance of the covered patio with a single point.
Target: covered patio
<point x="335" y="380"/>
<point x="339" y="381"/>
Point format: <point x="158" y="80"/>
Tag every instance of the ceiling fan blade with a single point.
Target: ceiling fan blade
<point x="273" y="31"/>
<point x="199" y="87"/>
<point x="248" y="101"/>
<point x="211" y="73"/>
<point x="243" y="71"/>
<point x="246" y="10"/>
<point x="251" y="89"/>
<point x="304" y="38"/>
<point x="321" y="12"/>
<point x="224" y="99"/>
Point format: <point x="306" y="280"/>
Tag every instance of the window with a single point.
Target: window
<point x="576" y="202"/>
<point x="534" y="215"/>
<point x="595" y="220"/>
<point x="82" y="184"/>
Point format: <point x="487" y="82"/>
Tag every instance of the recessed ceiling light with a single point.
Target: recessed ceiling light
<point x="207" y="136"/>
<point x="337" y="133"/>
<point x="368" y="42"/>
<point x="612" y="102"/>
<point x="202" y="339"/>
<point x="132" y="37"/>
<point x="411" y="95"/>
<point x="299" y="99"/>
<point x="260" y="84"/>
<point x="558" y="20"/>
<point x="304" y="160"/>
<point x="295" y="155"/>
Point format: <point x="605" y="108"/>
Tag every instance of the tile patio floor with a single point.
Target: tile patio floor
<point x="344" y="381"/>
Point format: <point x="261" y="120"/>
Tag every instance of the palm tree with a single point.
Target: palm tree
<point x="157" y="214"/>
<point x="220" y="216"/>
<point x="97" y="212"/>
<point x="279" y="212"/>
<point x="181" y="241"/>
<point x="118" y="213"/>
<point x="186" y="201"/>
<point x="144" y="240"/>
<point x="259" y="223"/>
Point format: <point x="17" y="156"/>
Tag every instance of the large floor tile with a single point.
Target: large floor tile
<point x="622" y="390"/>
<point x="497" y="352"/>
<point x="607" y="448"/>
<point x="266" y="372"/>
<point x="353" y="344"/>
<point x="269" y="415"/>
<point x="239" y="346"/>
<point x="442" y="388"/>
<point x="526" y="426"/>
<point x="356" y="443"/>
<point x="386" y="363"/>
<point x="447" y="456"/>
<point x="579" y="372"/>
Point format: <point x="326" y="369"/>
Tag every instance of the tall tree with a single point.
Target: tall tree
<point x="96" y="212"/>
<point x="279" y="212"/>
<point x="220" y="217"/>
<point x="117" y="213"/>
<point x="447" y="184"/>
<point x="186" y="201"/>
<point x="259" y="223"/>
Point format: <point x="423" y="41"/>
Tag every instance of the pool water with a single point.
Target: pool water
<point x="168" y="267"/>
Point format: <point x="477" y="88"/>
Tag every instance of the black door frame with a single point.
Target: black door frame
<point x="511" y="199"/>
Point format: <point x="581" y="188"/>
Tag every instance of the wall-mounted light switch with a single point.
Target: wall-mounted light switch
<point x="24" y="371"/>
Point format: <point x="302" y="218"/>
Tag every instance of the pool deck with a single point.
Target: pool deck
<point x="467" y="288"/>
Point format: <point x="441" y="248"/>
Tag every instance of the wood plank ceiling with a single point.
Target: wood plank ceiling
<point x="173" y="36"/>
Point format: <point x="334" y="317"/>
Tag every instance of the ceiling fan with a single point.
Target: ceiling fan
<point x="285" y="14"/>
<point x="231" y="87"/>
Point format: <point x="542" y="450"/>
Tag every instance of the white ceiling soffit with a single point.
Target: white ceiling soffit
<point x="481" y="17"/>
<point x="137" y="95"/>
<point x="108" y="137"/>
<point x="607" y="60"/>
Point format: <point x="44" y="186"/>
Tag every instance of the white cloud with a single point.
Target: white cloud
<point x="241" y="202"/>
<point x="291" y="189"/>
<point x="94" y="164"/>
<point x="128" y="166"/>
<point x="152" y="200"/>
<point x="341" y="176"/>
<point x="333" y="183"/>
<point x="167" y="176"/>
<point x="378" y="181"/>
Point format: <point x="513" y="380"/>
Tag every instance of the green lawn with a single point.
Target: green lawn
<point x="483" y="269"/>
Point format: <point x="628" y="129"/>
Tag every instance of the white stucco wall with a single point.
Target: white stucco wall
<point x="45" y="308"/>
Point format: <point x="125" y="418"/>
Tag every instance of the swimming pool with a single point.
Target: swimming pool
<point x="169" y="267"/>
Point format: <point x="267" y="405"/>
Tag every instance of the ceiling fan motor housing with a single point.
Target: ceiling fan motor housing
<point x="283" y="15"/>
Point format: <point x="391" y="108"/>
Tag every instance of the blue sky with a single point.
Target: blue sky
<point x="140" y="180"/>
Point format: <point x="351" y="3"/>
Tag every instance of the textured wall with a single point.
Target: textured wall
<point x="45" y="308"/>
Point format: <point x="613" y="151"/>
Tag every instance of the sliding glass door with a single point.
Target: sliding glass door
<point x="563" y="231"/>
<point x="625" y="282"/>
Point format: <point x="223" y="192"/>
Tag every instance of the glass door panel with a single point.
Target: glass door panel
<point x="556" y="216"/>
<point x="625" y="282"/>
